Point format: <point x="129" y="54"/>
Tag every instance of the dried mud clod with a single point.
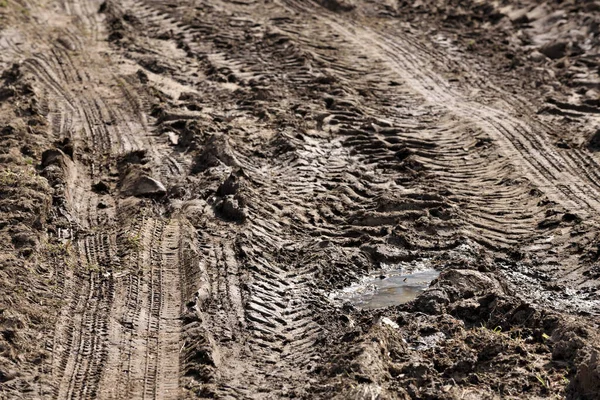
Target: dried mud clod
<point x="594" y="141"/>
<point x="217" y="151"/>
<point x="230" y="201"/>
<point x="339" y="5"/>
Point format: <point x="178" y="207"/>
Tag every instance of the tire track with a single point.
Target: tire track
<point x="542" y="163"/>
<point x="81" y="335"/>
<point x="330" y="139"/>
<point x="462" y="181"/>
<point x="96" y="109"/>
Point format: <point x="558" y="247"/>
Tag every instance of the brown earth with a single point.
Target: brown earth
<point x="185" y="185"/>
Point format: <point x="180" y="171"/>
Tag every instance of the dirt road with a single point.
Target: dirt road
<point x="186" y="188"/>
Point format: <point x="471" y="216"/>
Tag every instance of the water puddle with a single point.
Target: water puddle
<point x="388" y="288"/>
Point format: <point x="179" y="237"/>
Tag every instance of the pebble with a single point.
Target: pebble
<point x="146" y="186"/>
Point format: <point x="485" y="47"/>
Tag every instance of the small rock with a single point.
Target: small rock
<point x="173" y="138"/>
<point x="555" y="50"/>
<point x="518" y="16"/>
<point x="389" y="322"/>
<point x="146" y="186"/>
<point x="537" y="57"/>
<point x="66" y="43"/>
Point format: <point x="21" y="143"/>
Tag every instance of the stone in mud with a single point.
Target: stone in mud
<point x="537" y="57"/>
<point x="138" y="183"/>
<point x="146" y="186"/>
<point x="555" y="50"/>
<point x="173" y="138"/>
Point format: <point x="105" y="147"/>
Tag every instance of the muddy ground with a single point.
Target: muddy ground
<point x="186" y="187"/>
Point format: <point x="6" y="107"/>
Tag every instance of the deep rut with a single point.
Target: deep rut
<point x="120" y="333"/>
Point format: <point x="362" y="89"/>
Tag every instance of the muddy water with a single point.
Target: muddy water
<point x="388" y="288"/>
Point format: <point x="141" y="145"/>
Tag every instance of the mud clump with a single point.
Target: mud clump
<point x="27" y="213"/>
<point x="55" y="157"/>
<point x="231" y="208"/>
<point x="594" y="141"/>
<point x="230" y="203"/>
<point x="586" y="382"/>
<point x="101" y="187"/>
<point x="555" y="50"/>
<point x="338" y="5"/>
<point x="217" y="151"/>
<point x="416" y="355"/>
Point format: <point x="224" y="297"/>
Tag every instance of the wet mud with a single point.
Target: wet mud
<point x="346" y="199"/>
<point x="388" y="287"/>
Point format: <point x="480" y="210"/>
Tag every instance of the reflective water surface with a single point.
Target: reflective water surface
<point x="388" y="289"/>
